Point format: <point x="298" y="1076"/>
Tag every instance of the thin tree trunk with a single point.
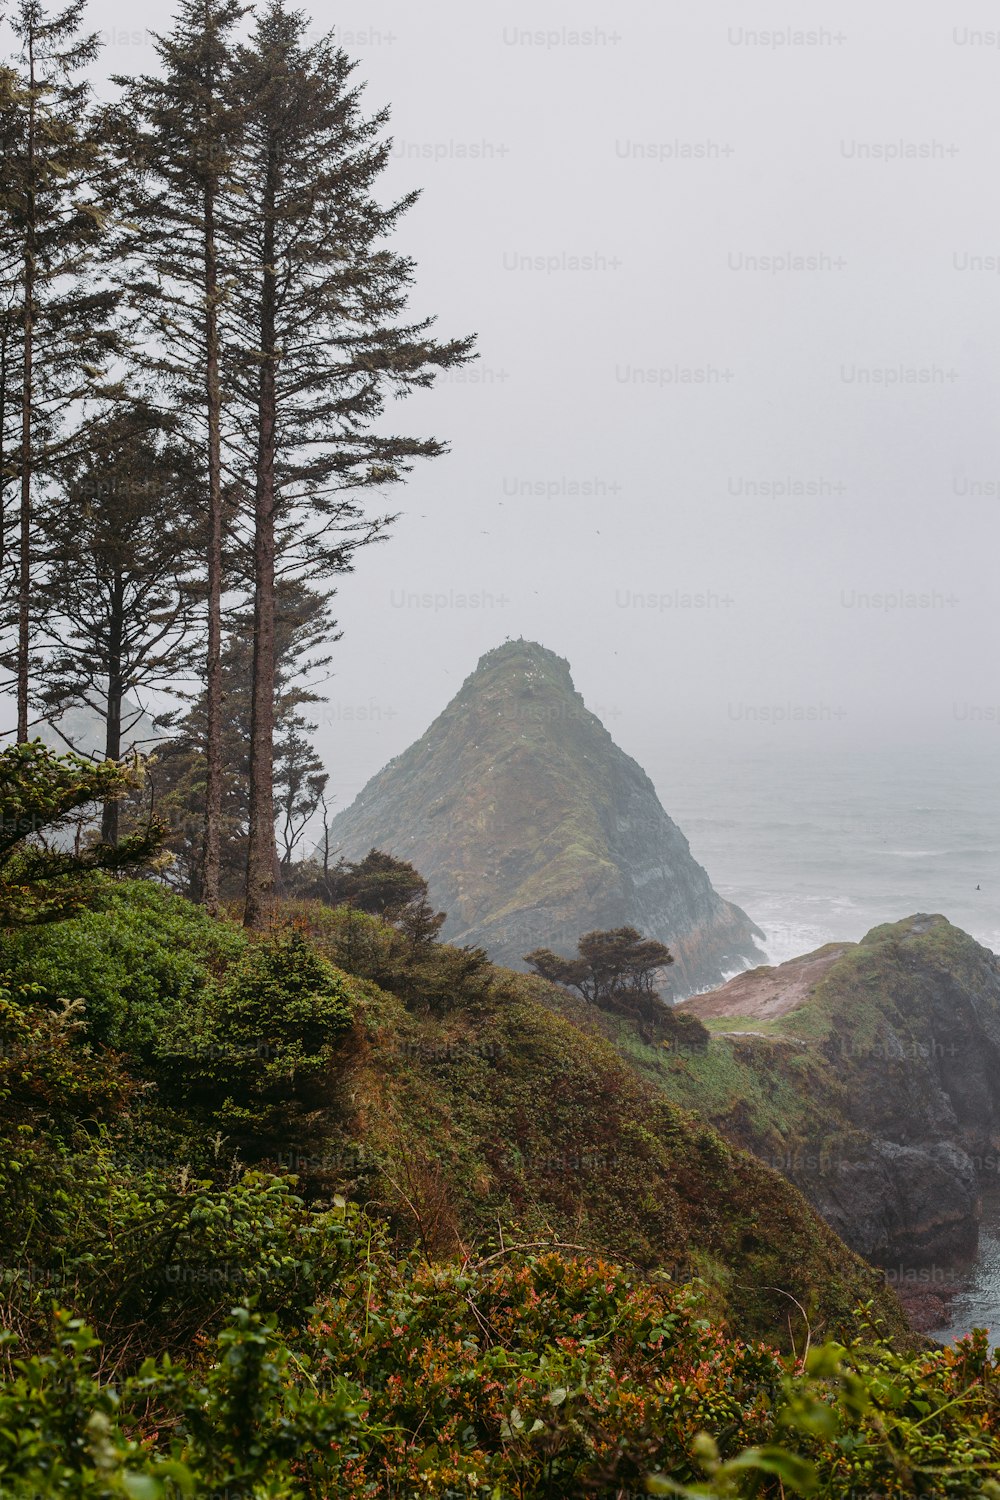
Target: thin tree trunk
<point x="211" y="861"/>
<point x="6" y="587"/>
<point x="4" y="351"/>
<point x="262" y="853"/>
<point x="24" y="530"/>
<point x="113" y="721"/>
<point x="24" y="527"/>
<point x="326" y="847"/>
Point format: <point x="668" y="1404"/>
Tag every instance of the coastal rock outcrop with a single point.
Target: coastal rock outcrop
<point x="532" y="826"/>
<point x="869" y="1074"/>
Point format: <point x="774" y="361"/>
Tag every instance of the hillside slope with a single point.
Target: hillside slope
<point x="476" y="1112"/>
<point x="532" y="826"/>
<point x="435" y="1090"/>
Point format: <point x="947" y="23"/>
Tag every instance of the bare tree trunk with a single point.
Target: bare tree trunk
<point x="4" y="356"/>
<point x="211" y="857"/>
<point x="24" y="527"/>
<point x="113" y="721"/>
<point x="326" y="845"/>
<point x="262" y="856"/>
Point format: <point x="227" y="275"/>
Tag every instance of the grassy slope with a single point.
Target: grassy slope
<point x="471" y="1113"/>
<point x="503" y="1111"/>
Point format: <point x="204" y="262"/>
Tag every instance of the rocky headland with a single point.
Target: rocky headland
<point x="869" y="1074"/>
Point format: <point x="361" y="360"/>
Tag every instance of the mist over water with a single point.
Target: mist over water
<point x="821" y="846"/>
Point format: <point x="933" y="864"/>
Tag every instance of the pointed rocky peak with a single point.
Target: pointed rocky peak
<point x="518" y="672"/>
<point x="532" y="826"/>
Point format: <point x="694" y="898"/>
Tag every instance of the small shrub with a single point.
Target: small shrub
<point x="46" y="1073"/>
<point x="683" y="1032"/>
<point x="262" y="1043"/>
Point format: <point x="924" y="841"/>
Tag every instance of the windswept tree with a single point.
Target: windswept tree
<point x="379" y="884"/>
<point x="614" y="969"/>
<point x="182" y="127"/>
<point x="319" y="344"/>
<point x="116" y="603"/>
<point x="56" y="325"/>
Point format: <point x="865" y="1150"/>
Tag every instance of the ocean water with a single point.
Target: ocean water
<point x="977" y="1304"/>
<point x="822" y="846"/>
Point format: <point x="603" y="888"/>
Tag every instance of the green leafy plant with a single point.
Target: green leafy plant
<point x="139" y="958"/>
<point x="536" y="1376"/>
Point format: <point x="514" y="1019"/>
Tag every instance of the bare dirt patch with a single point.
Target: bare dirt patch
<point x="766" y="993"/>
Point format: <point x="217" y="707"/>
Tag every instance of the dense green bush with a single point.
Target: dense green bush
<point x="237" y="1426"/>
<point x="139" y="959"/>
<point x="424" y="974"/>
<point x="47" y="1073"/>
<point x="260" y="1045"/>
<point x="152" y="1254"/>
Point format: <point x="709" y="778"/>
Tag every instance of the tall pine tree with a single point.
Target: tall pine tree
<point x="319" y="345"/>
<point x="55" y="189"/>
<point x="183" y="130"/>
<point x="116" y="602"/>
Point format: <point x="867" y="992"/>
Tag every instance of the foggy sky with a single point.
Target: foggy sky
<point x="675" y="369"/>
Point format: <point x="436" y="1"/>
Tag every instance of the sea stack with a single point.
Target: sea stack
<point x="532" y="826"/>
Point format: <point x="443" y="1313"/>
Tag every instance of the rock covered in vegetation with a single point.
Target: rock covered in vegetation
<point x="869" y="1073"/>
<point x="532" y="827"/>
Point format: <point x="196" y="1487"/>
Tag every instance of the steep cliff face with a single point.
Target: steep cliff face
<point x="532" y="826"/>
<point x="869" y="1074"/>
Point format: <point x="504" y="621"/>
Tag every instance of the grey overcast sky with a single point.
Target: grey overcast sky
<point x="732" y="445"/>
